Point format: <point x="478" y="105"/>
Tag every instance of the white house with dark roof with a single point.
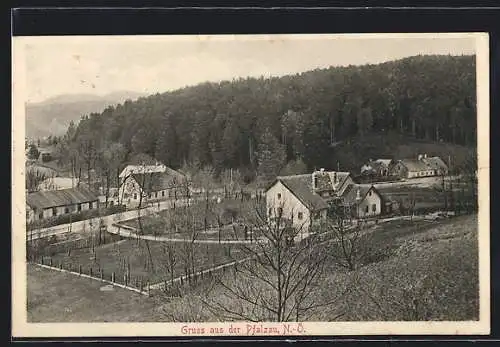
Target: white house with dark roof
<point x="303" y="199"/>
<point x="420" y="167"/>
<point x="364" y="200"/>
<point x="154" y="186"/>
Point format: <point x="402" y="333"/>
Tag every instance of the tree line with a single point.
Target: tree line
<point x="261" y="125"/>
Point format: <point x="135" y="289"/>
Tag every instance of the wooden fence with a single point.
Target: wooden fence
<point x="135" y="284"/>
<point x="37" y="248"/>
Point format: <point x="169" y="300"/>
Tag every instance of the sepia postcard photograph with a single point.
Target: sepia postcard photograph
<point x="250" y="185"/>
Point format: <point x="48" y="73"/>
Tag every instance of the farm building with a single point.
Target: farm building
<point x="153" y="186"/>
<point x="303" y="199"/>
<point x="53" y="203"/>
<point x="379" y="167"/>
<point x="411" y="168"/>
<point x="437" y="164"/>
<point x="138" y="169"/>
<point x="423" y="166"/>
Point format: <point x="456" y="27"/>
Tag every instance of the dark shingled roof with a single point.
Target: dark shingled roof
<point x="351" y="192"/>
<point x="156" y="181"/>
<point x="435" y="163"/>
<point x="415" y="165"/>
<point x="63" y="197"/>
<point x="301" y="187"/>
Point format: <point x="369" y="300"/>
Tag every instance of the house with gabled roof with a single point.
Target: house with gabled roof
<point x="363" y="200"/>
<point x="378" y="167"/>
<point x="420" y="167"/>
<point x="437" y="164"/>
<point x="304" y="199"/>
<point x="153" y="186"/>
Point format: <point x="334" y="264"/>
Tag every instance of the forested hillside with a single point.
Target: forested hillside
<point x="260" y="125"/>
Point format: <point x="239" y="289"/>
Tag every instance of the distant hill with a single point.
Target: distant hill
<point x="320" y="117"/>
<point x="52" y="116"/>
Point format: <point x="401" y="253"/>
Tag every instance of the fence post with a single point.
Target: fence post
<point x="60" y="266"/>
<point x="90" y="272"/>
<point x="149" y="289"/>
<point x="113" y="277"/>
<point x="140" y="285"/>
<point x="50" y="261"/>
<point x="102" y="274"/>
<point x="125" y="279"/>
<point x="80" y="269"/>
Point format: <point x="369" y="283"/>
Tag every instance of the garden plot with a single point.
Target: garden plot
<point x="132" y="258"/>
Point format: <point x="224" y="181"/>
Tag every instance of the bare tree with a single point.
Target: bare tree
<point x="277" y="278"/>
<point x="347" y="239"/>
<point x="33" y="180"/>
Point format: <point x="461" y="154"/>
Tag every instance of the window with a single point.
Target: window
<point x="111" y="203"/>
<point x="135" y="196"/>
<point x="40" y="215"/>
<point x="54" y="211"/>
<point x="66" y="210"/>
<point x="79" y="207"/>
<point x="374" y="208"/>
<point x="156" y="194"/>
<point x="366" y="209"/>
<point x="280" y="211"/>
<point x="279" y="196"/>
<point x="162" y="193"/>
<point x="370" y="193"/>
<point x="90" y="205"/>
<point x="300" y="215"/>
<point x="270" y="211"/>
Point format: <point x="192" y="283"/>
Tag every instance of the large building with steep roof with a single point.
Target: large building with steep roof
<point x="304" y="200"/>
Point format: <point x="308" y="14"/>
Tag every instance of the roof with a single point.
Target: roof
<point x="155" y="181"/>
<point x="385" y="162"/>
<point x="351" y="192"/>
<point x="143" y="169"/>
<point x="414" y="165"/>
<point x="55" y="198"/>
<point x="324" y="182"/>
<point x="435" y="163"/>
<point x="301" y="187"/>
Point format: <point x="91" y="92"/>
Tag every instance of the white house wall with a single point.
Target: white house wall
<point x="370" y="200"/>
<point x="291" y="205"/>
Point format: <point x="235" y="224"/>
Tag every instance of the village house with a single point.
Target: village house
<point x="138" y="169"/>
<point x="304" y="199"/>
<point x="437" y="164"/>
<point x="379" y="167"/>
<point x="153" y="186"/>
<point x="420" y="167"/>
<point x="52" y="203"/>
<point x="363" y="201"/>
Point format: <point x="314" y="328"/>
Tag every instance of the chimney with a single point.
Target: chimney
<point x="358" y="196"/>
<point x="322" y="170"/>
<point x="315" y="180"/>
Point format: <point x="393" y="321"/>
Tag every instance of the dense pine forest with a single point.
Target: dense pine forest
<point x="265" y="126"/>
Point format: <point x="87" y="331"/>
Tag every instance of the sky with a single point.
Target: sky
<point x="151" y="64"/>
